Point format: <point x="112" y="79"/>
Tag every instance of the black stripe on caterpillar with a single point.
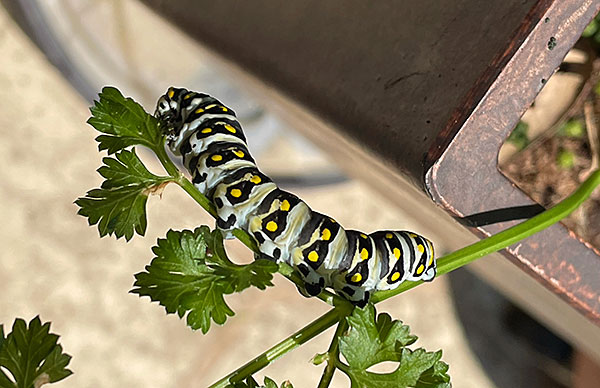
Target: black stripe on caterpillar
<point x="209" y="138"/>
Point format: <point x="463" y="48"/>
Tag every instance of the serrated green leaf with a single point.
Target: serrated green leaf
<point x="269" y="383"/>
<point x="32" y="356"/>
<point x="188" y="276"/>
<point x="435" y="377"/>
<point x="251" y="383"/>
<point x="374" y="339"/>
<point x="248" y="383"/>
<point x="119" y="205"/>
<point x="370" y="342"/>
<point x="257" y="274"/>
<point x="124" y="122"/>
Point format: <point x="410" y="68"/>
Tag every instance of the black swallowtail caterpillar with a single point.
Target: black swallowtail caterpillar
<point x="211" y="141"/>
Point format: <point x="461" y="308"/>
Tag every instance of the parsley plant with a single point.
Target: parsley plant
<point x="30" y="356"/>
<point x="191" y="273"/>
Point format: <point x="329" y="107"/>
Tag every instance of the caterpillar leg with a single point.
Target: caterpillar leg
<point x="356" y="295"/>
<point x="314" y="283"/>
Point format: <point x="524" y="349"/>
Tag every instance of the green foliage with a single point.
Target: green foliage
<point x="371" y="341"/>
<point x="191" y="275"/>
<point x="124" y="123"/>
<point x="119" y="205"/>
<point x="518" y="136"/>
<point x="572" y="128"/>
<point x="565" y="159"/>
<point x="591" y="29"/>
<point x="268" y="383"/>
<point x="31" y="355"/>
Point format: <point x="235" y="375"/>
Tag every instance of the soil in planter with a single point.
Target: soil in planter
<point x="548" y="154"/>
<point x="551" y="170"/>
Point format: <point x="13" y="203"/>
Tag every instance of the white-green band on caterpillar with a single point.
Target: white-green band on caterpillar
<point x="212" y="144"/>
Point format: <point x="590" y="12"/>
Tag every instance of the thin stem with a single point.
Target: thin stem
<point x="505" y="238"/>
<point x="333" y="355"/>
<point x="197" y="195"/>
<point x="302" y="336"/>
<point x="164" y="159"/>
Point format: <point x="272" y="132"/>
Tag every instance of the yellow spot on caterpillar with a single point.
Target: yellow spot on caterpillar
<point x="199" y="110"/>
<point x="187" y="96"/>
<point x="397" y="253"/>
<point x="356" y="278"/>
<point x="420" y="248"/>
<point x="230" y="128"/>
<point x="224" y="109"/>
<point x="364" y="254"/>
<point x="271" y="226"/>
<point x="210" y="106"/>
<point x="255" y="179"/>
<point x="332" y="220"/>
<point x="430" y="261"/>
<point x="326" y="235"/>
<point x="412" y="235"/>
<point x="206" y="130"/>
<point x="216" y="158"/>
<point x="171" y="93"/>
<point x="285" y="205"/>
<point x="363" y="235"/>
<point x="239" y="154"/>
<point x="420" y="269"/>
<point x="395" y="276"/>
<point x="236" y="193"/>
<point x="389" y="235"/>
<point x="313" y="256"/>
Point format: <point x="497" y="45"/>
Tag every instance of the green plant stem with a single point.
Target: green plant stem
<point x="302" y="336"/>
<point x="505" y="238"/>
<point x="333" y="354"/>
<point x="164" y="159"/>
<point x="183" y="182"/>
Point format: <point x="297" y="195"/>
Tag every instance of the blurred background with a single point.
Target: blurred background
<point x="55" y="56"/>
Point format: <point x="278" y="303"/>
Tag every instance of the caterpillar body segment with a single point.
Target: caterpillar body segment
<point x="207" y="135"/>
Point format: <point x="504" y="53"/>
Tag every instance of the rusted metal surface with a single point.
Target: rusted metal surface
<point x="390" y="73"/>
<point x="465" y="179"/>
<point x="431" y="90"/>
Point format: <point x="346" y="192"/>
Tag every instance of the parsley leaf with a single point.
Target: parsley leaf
<point x="124" y="122"/>
<point x="191" y="274"/>
<point x="119" y="205"/>
<point x="31" y="355"/>
<point x="257" y="274"/>
<point x="251" y="383"/>
<point x="371" y="341"/>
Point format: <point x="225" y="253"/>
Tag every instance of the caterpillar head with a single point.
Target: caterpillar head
<point x="168" y="111"/>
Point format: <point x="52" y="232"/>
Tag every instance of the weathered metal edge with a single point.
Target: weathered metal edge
<point x="465" y="179"/>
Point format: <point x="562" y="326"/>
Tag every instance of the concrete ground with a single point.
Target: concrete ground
<point x="53" y="264"/>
